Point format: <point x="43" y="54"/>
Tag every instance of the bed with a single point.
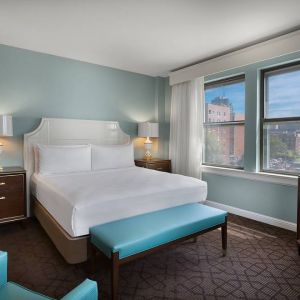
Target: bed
<point x="67" y="205"/>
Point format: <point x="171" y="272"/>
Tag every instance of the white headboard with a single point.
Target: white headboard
<point x="70" y="132"/>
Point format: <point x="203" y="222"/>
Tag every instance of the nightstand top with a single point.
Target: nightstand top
<point x="153" y="160"/>
<point x="11" y="170"/>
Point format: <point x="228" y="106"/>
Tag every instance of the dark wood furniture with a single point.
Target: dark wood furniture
<point x="163" y="165"/>
<point x="12" y="194"/>
<point x="116" y="261"/>
<point x="298" y="217"/>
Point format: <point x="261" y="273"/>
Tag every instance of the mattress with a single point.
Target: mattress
<point x="79" y="201"/>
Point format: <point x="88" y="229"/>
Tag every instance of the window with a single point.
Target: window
<point x="280" y="119"/>
<point x="224" y="137"/>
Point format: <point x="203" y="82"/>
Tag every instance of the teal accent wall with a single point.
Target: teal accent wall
<point x="35" y="85"/>
<point x="274" y="200"/>
<point x="270" y="199"/>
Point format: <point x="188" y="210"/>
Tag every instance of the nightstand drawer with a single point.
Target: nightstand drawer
<point x="11" y="182"/>
<point x="160" y="166"/>
<point x="163" y="165"/>
<point x="12" y="203"/>
<point x="12" y="194"/>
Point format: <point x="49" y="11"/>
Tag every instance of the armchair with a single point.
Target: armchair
<point x="87" y="290"/>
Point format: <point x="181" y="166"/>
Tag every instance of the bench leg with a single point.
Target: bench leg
<point x="224" y="237"/>
<point x="114" y="275"/>
<point x="92" y="257"/>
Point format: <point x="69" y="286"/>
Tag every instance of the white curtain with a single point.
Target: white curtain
<point x="186" y="127"/>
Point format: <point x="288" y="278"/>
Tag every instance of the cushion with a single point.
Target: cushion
<point x="143" y="232"/>
<point x="52" y="159"/>
<point x="112" y="156"/>
<point x="13" y="291"/>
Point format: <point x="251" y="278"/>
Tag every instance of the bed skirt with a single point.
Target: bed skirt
<point x="74" y="250"/>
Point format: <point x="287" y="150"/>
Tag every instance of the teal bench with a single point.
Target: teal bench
<point x="127" y="239"/>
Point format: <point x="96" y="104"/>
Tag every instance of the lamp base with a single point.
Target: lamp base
<point x="1" y="150"/>
<point x="148" y="155"/>
<point x="148" y="147"/>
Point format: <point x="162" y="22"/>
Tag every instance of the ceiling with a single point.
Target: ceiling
<point x="150" y="37"/>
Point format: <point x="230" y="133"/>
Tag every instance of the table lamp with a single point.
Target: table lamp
<point x="148" y="130"/>
<point x="6" y="129"/>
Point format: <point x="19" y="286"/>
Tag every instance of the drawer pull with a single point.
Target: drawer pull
<point x="2" y="198"/>
<point x="2" y="183"/>
<point x="159" y="168"/>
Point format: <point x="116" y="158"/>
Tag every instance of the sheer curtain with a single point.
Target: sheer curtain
<point x="186" y="127"/>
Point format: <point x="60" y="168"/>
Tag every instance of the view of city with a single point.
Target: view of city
<point x="224" y="144"/>
<point x="282" y="147"/>
<point x="282" y="139"/>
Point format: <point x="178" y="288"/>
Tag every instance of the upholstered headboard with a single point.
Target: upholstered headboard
<point x="70" y="132"/>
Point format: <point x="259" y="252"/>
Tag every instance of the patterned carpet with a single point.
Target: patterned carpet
<point x="262" y="263"/>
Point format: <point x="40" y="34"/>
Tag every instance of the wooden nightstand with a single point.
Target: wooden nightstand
<point x="163" y="165"/>
<point x="12" y="194"/>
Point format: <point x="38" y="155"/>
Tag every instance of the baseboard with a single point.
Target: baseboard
<point x="254" y="216"/>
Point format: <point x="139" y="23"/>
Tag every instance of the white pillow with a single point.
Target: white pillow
<point x="112" y="156"/>
<point x="54" y="159"/>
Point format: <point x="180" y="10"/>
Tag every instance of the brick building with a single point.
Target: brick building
<point x="230" y="139"/>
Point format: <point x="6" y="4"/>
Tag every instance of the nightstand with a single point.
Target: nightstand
<point x="163" y="165"/>
<point x="12" y="194"/>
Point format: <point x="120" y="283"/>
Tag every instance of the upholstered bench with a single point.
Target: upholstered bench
<point x="127" y="239"/>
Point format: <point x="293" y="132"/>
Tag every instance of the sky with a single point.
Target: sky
<point x="235" y="92"/>
<point x="283" y="95"/>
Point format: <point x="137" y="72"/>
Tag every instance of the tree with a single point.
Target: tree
<point x="277" y="147"/>
<point x="213" y="153"/>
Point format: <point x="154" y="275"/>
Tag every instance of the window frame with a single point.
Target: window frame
<point x="210" y="84"/>
<point x="263" y="120"/>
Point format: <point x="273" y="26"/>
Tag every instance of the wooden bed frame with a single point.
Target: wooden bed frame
<point x="66" y="132"/>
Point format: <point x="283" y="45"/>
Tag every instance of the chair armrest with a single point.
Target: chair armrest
<point x="3" y="268"/>
<point x="87" y="290"/>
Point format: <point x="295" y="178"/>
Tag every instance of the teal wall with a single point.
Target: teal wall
<point x="270" y="199"/>
<point x="274" y="200"/>
<point x="35" y="85"/>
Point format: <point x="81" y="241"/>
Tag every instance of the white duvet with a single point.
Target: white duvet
<point x="79" y="201"/>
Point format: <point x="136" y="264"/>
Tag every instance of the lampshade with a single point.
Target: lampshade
<point x="6" y="125"/>
<point x="148" y="129"/>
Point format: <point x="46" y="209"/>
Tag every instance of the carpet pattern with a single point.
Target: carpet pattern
<point x="262" y="263"/>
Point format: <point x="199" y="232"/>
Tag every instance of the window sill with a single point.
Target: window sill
<point x="258" y="176"/>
